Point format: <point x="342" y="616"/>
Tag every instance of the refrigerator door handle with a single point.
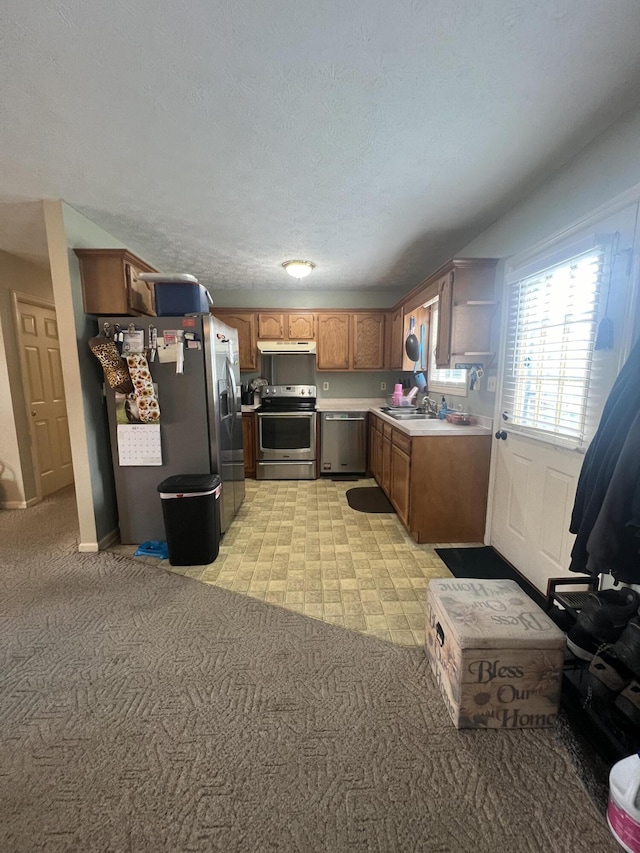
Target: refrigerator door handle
<point x="232" y="390"/>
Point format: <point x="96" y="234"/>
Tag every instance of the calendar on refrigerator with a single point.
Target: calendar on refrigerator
<point x="139" y="444"/>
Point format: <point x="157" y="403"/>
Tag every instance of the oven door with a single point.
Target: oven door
<point x="286" y="436"/>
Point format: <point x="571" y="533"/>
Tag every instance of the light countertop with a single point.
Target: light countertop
<point x="415" y="428"/>
<point x="435" y="426"/>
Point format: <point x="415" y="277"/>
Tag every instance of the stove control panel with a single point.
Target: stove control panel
<point x="288" y="391"/>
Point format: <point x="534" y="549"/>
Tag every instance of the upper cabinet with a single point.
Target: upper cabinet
<point x="282" y="326"/>
<point x="246" y="324"/>
<point x="301" y="326"/>
<point x="394" y="340"/>
<point x="110" y="283"/>
<point x="464" y="288"/>
<point x="368" y="341"/>
<point x="333" y="341"/>
<point x="350" y="340"/>
<point x="271" y="326"/>
<point x="466" y="306"/>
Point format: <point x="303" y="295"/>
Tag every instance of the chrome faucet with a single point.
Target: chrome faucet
<point x="430" y="406"/>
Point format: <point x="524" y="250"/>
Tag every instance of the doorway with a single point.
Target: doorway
<point x="553" y="383"/>
<point x="39" y="346"/>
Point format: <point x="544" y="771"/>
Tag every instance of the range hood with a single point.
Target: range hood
<point x="273" y="347"/>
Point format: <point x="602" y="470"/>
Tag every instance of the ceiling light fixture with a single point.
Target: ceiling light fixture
<point x="299" y="269"/>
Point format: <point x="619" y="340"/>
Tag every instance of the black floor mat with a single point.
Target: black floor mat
<point x="369" y="499"/>
<point x="485" y="563"/>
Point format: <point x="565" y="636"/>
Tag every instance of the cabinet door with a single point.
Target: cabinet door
<point x="249" y="441"/>
<point x="400" y="483"/>
<point x="110" y="283"/>
<point x="445" y="309"/>
<point x="368" y="341"/>
<point x="386" y="464"/>
<point x="301" y="327"/>
<point x="373" y="467"/>
<point x="141" y="294"/>
<point x="246" y="326"/>
<point x="271" y="327"/>
<point x="333" y="342"/>
<point x="395" y="340"/>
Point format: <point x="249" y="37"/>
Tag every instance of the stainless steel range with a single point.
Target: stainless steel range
<point x="287" y="433"/>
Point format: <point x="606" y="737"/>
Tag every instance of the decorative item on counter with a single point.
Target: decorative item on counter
<point x="114" y="368"/>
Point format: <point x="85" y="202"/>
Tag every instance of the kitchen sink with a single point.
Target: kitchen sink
<point x="410" y="416"/>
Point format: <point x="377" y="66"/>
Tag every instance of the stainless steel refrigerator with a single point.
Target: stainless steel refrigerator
<point x="200" y="425"/>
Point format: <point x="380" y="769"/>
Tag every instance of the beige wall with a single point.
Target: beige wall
<point x="90" y="447"/>
<point x="17" y="475"/>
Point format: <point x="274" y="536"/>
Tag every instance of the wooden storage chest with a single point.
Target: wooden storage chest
<point x="496" y="656"/>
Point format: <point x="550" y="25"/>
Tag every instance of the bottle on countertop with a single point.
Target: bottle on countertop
<point x="444" y="410"/>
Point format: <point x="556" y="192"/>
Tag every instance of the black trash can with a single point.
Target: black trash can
<point x="191" y="511"/>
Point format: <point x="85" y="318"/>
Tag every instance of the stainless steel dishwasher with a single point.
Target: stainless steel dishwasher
<point x="343" y="442"/>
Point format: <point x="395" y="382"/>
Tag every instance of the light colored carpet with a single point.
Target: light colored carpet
<point x="143" y="711"/>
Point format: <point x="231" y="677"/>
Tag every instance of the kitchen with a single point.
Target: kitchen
<point x="363" y="355"/>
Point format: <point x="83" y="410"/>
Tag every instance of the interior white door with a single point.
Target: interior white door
<point x="44" y="390"/>
<point x="534" y="479"/>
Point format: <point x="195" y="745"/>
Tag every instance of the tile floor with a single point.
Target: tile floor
<point x="299" y="545"/>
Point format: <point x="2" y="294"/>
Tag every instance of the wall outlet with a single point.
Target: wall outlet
<point x="325" y="386"/>
<point x="383" y="386"/>
<point x="491" y="384"/>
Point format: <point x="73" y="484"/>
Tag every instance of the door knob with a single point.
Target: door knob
<point x="33" y="414"/>
<point x="501" y="434"/>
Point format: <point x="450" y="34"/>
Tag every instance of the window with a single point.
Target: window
<point x="551" y="332"/>
<point x="441" y="379"/>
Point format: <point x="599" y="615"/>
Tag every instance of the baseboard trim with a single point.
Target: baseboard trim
<point x="13" y="504"/>
<point x="88" y="547"/>
<point x="19" y="504"/>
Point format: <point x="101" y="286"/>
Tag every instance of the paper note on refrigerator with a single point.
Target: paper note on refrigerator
<point x="139" y="444"/>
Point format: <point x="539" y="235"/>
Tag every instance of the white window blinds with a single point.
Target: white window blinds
<point x="552" y="324"/>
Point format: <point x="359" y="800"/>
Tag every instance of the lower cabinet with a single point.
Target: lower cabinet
<point x="249" y="441"/>
<point x="400" y="483"/>
<point x="437" y="484"/>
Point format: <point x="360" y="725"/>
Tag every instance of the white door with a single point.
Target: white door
<point x="553" y="386"/>
<point x="44" y="392"/>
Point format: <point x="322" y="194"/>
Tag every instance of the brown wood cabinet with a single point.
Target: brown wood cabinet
<point x="438" y="484"/>
<point x="333" y="342"/>
<point x="394" y="340"/>
<point x="367" y="332"/>
<point x="283" y="326"/>
<point x="271" y="327"/>
<point x="246" y="324"/>
<point x="249" y="441"/>
<point x="346" y="340"/>
<point x="465" y="310"/>
<point x="465" y="291"/>
<point x="110" y="283"/>
<point x="350" y="340"/>
<point x="301" y="326"/>
<point x="400" y="482"/>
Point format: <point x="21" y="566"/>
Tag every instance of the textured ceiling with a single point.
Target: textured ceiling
<point x="374" y="138"/>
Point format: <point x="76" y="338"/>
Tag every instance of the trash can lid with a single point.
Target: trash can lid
<point x="183" y="484"/>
